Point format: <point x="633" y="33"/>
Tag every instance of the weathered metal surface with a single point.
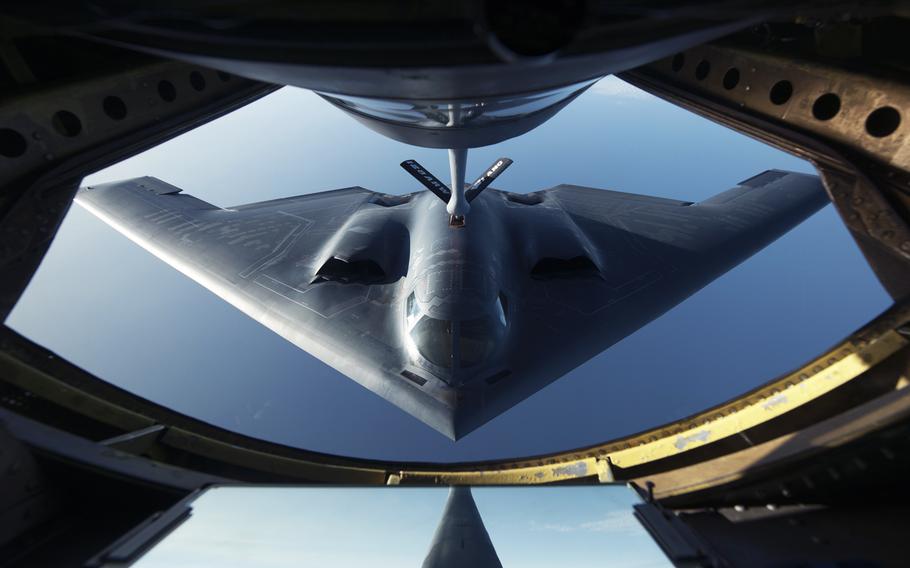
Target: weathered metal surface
<point x="42" y="384"/>
<point x="843" y="363"/>
<point x="675" y="538"/>
<point x="851" y="124"/>
<point x="588" y="468"/>
<point x="794" y="90"/>
<point x="137" y="442"/>
<point x="25" y="500"/>
<point x="127" y="549"/>
<point x="836" y="431"/>
<point x="790" y="125"/>
<point x="66" y="447"/>
<point x="840" y="365"/>
<point x="56" y="123"/>
<point x="51" y="135"/>
<point x="277" y="466"/>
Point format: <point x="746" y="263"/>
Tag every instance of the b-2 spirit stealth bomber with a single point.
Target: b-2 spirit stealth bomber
<point x="456" y="303"/>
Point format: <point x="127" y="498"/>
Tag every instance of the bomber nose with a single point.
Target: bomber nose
<point x="457" y="348"/>
<point x="469" y="410"/>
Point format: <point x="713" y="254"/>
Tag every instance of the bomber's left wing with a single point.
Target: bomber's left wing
<point x="592" y="266"/>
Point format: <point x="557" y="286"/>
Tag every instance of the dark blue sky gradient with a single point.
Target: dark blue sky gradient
<point x="114" y="309"/>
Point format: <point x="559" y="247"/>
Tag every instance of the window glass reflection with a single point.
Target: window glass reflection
<point x="458" y="113"/>
<point x="434" y="340"/>
<point x="477" y="339"/>
<point x="413" y="311"/>
<point x="501" y="309"/>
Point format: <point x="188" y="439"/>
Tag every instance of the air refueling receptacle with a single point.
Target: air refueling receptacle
<point x="456" y="197"/>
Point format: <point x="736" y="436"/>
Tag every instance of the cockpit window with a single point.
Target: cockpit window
<point x="448" y="343"/>
<point x="434" y="340"/>
<point x="477" y="339"/>
<point x="448" y="114"/>
<point x="413" y="312"/>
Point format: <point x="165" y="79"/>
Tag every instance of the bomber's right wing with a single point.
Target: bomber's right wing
<point x="321" y="270"/>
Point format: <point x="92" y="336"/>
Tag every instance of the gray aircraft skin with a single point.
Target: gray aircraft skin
<point x="456" y="320"/>
<point x="461" y="539"/>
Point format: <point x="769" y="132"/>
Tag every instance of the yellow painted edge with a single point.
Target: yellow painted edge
<point x="788" y="394"/>
<point x="780" y="397"/>
<point x="773" y="406"/>
<point x="20" y="374"/>
<point x="311" y="470"/>
<point x="528" y="475"/>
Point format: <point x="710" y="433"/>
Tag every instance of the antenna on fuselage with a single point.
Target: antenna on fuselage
<point x="456" y="197"/>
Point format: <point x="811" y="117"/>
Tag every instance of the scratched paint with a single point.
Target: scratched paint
<point x="774" y="401"/>
<point x="577" y="469"/>
<point x="683" y="441"/>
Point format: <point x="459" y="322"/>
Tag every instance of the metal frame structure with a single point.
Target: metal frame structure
<point x="831" y="432"/>
<point x="739" y="424"/>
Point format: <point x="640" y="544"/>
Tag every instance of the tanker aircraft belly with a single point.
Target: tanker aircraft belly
<point x="456" y="320"/>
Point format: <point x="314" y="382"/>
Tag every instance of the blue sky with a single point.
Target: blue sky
<point x="107" y="305"/>
<point x="242" y="527"/>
